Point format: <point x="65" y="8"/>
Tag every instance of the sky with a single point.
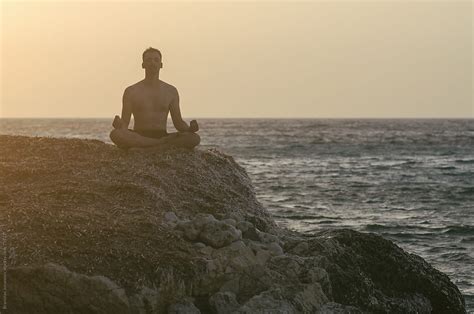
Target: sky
<point x="239" y="59"/>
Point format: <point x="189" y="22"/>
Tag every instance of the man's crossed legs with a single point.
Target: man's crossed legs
<point x="125" y="138"/>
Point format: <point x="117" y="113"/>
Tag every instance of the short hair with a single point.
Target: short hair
<point x="150" y="49"/>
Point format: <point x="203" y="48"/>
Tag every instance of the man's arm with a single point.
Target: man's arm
<point x="178" y="121"/>
<point x="126" y="108"/>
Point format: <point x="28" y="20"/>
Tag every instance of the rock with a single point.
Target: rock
<point x="300" y="248"/>
<point x="230" y="221"/>
<point x="236" y="216"/>
<point x="185" y="306"/>
<point x="171" y="219"/>
<point x="263" y="256"/>
<point x="257" y="246"/>
<point x="238" y="245"/>
<point x="336" y="308"/>
<point x="203" y="219"/>
<point x="191" y="232"/>
<point x="218" y="234"/>
<point x="275" y="248"/>
<point x="208" y="250"/>
<point x="243" y="226"/>
<point x="286" y="265"/>
<point x="267" y="237"/>
<point x="267" y="302"/>
<point x="287" y="299"/>
<point x="306" y="298"/>
<point x="319" y="275"/>
<point x="383" y="277"/>
<point x="145" y="301"/>
<point x="105" y="217"/>
<point x="230" y="286"/>
<point x="53" y="288"/>
<point x="250" y="232"/>
<point x="212" y="266"/>
<point x="199" y="245"/>
<point x="224" y="302"/>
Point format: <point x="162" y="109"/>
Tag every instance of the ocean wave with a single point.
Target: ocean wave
<point x="446" y="168"/>
<point x="458" y="257"/>
<point x="467" y="190"/>
<point x="411" y="229"/>
<point x="306" y="217"/>
<point x="465" y="161"/>
<point x="467" y="239"/>
<point x="460" y="230"/>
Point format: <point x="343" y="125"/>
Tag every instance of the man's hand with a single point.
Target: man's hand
<point x="193" y="126"/>
<point x="117" y="124"/>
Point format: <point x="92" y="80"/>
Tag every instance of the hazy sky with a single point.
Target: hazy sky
<point x="241" y="59"/>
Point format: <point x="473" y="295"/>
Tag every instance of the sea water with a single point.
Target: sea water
<point x="411" y="181"/>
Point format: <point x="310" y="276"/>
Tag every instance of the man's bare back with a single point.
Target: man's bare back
<point x="150" y="101"/>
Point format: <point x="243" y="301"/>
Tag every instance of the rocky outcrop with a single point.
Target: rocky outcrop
<point x="94" y="229"/>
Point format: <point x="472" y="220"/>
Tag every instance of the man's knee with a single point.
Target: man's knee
<point x="195" y="139"/>
<point x="188" y="140"/>
<point x="192" y="140"/>
<point x="117" y="137"/>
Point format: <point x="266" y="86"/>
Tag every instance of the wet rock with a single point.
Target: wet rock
<point x="382" y="277"/>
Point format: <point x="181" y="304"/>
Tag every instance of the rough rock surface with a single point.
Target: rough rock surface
<point x="94" y="229"/>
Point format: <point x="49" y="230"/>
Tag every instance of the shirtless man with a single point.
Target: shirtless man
<point x="150" y="101"/>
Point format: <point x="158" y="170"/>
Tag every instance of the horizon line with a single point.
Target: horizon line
<point x="275" y="118"/>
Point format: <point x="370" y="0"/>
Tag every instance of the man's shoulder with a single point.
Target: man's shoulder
<point x="169" y="86"/>
<point x="133" y="87"/>
<point x="138" y="85"/>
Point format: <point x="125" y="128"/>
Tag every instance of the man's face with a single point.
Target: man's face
<point x="152" y="61"/>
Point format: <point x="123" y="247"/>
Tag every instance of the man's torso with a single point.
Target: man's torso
<point x="151" y="105"/>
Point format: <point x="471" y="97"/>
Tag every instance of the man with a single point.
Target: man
<point x="150" y="101"/>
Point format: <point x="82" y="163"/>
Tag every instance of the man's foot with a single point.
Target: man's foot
<point x="117" y="124"/>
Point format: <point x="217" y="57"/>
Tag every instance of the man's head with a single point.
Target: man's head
<point x="152" y="59"/>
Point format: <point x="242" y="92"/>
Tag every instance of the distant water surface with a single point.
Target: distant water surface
<point x="411" y="181"/>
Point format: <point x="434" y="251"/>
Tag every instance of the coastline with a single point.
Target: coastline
<point x="114" y="198"/>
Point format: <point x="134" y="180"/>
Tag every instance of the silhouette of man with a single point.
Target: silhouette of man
<point x="150" y="101"/>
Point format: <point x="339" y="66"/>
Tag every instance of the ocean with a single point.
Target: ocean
<point x="409" y="180"/>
